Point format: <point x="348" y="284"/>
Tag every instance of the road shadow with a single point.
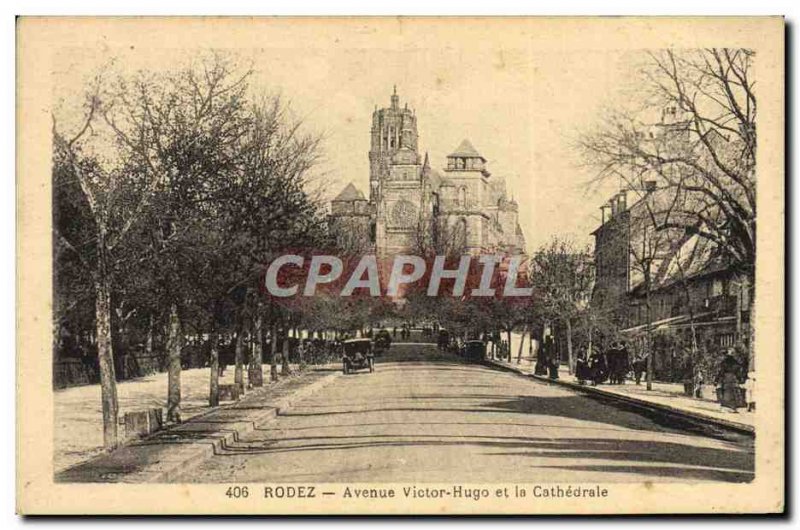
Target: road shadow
<point x="582" y="408"/>
<point x="589" y="407"/>
<point x="642" y="457"/>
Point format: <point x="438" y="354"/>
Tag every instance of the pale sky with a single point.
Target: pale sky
<point x="520" y="107"/>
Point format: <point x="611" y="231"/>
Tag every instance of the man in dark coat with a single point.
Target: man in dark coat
<point x="598" y="367"/>
<point x="582" y="372"/>
<point x="618" y="364"/>
<point x="543" y="356"/>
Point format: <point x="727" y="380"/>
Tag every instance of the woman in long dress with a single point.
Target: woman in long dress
<point x="728" y="383"/>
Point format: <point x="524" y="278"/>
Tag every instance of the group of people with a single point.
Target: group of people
<point x="611" y="365"/>
<point x="734" y="391"/>
<point x="430" y="331"/>
<point x="547" y="361"/>
<point x="405" y="332"/>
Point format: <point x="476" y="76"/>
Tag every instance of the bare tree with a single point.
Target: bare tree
<point x="117" y="196"/>
<point x="439" y="235"/>
<point x="695" y="139"/>
<point x="561" y="275"/>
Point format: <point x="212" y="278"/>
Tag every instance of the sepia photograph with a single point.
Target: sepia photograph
<point x="400" y="265"/>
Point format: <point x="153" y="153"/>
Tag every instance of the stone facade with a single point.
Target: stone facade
<point x="692" y="288"/>
<point x="409" y="200"/>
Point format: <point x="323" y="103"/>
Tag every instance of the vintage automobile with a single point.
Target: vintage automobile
<point x="474" y="350"/>
<point x="443" y="340"/>
<point x="357" y="354"/>
<point x="382" y="341"/>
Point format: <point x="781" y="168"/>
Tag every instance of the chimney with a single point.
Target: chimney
<point x="622" y="199"/>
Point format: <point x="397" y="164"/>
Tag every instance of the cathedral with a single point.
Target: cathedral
<point x="413" y="208"/>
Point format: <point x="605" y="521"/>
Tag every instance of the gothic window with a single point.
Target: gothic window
<point x="404" y="214"/>
<point x="462" y="196"/>
<point x="459" y="163"/>
<point x="461" y="234"/>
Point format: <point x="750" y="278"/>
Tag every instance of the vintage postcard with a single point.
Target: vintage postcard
<point x="400" y="265"/>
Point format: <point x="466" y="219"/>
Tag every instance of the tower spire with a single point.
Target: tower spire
<point x="395" y="98"/>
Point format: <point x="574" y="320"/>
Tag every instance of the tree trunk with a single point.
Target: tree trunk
<point x="148" y="344"/>
<point x="508" y="353"/>
<point x="649" y="341"/>
<point x="105" y="354"/>
<point x="273" y="356"/>
<point x="751" y="322"/>
<point x="213" y="391"/>
<point x="174" y="370"/>
<point x="521" y="343"/>
<point x="256" y="374"/>
<point x="570" y="355"/>
<point x="301" y="353"/>
<point x="693" y="349"/>
<point x="238" y="373"/>
<point x="285" y="368"/>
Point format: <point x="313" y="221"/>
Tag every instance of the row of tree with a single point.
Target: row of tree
<point x="170" y="192"/>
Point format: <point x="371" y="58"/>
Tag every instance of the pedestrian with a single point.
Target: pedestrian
<point x="639" y="367"/>
<point x="697" y="383"/>
<point x="582" y="372"/>
<point x="543" y="356"/>
<point x="728" y="383"/>
<point x="301" y="354"/>
<point x="617" y="361"/>
<point x="598" y="367"/>
<point x="750" y="391"/>
<point x="553" y="368"/>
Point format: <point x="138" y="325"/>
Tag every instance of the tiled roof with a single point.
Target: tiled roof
<point x="350" y="193"/>
<point x="466" y="149"/>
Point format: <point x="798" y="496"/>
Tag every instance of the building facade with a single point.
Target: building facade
<point x="414" y="208"/>
<point x="693" y="293"/>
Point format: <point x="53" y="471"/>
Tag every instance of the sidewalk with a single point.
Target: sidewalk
<point x="667" y="396"/>
<point x="79" y="455"/>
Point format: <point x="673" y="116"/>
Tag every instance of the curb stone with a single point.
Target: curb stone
<point x="232" y="435"/>
<point x="167" y="454"/>
<point x="691" y="416"/>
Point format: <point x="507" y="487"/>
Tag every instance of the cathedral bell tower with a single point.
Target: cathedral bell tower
<point x="394" y="141"/>
<point x="394" y="174"/>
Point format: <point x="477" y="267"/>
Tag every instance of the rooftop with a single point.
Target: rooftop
<point x="465" y="149"/>
<point x="350" y="193"/>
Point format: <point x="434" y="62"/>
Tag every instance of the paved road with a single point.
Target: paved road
<point x="424" y="417"/>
